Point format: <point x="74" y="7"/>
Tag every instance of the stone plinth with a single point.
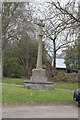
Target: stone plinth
<point x="38" y="76"/>
<point x="38" y="80"/>
<point x="39" y="86"/>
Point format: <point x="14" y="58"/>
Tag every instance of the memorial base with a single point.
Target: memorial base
<point x="39" y="86"/>
<point x="38" y="80"/>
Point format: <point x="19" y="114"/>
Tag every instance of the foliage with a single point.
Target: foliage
<point x="12" y="67"/>
<point x="17" y="27"/>
<point x="45" y="58"/>
<point x="61" y="26"/>
<point x="16" y="22"/>
<point x="71" y="58"/>
<point x="19" y="38"/>
<point x="62" y="76"/>
<point x="20" y="95"/>
<point x="26" y="52"/>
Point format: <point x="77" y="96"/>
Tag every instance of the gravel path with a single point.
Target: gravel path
<point x="64" y="89"/>
<point x="42" y="111"/>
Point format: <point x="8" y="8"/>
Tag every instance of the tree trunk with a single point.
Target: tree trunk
<point x="54" y="65"/>
<point x="54" y="45"/>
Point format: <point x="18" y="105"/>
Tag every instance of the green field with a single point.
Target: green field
<point x="63" y="85"/>
<point x="13" y="80"/>
<point x="20" y="95"/>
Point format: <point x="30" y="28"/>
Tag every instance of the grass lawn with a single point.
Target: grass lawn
<point x="63" y="85"/>
<point x="69" y="86"/>
<point x="20" y="95"/>
<point x="12" y="80"/>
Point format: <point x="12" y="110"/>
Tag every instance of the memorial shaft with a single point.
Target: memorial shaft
<point x="39" y="58"/>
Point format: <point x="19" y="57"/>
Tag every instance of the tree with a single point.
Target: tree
<point x="71" y="58"/>
<point x="17" y="29"/>
<point x="16" y="22"/>
<point x="26" y="52"/>
<point x="62" y="25"/>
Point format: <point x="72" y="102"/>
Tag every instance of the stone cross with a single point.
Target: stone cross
<point x="39" y="58"/>
<point x="38" y="79"/>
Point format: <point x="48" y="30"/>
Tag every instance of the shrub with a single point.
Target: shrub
<point x="12" y="67"/>
<point x="62" y="76"/>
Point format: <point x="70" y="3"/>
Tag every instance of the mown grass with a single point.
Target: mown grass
<point x="0" y="93"/>
<point x="63" y="85"/>
<point x="12" y="80"/>
<point x="0" y="79"/>
<point x="20" y="95"/>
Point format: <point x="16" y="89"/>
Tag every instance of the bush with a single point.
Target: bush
<point x="62" y="76"/>
<point x="12" y="67"/>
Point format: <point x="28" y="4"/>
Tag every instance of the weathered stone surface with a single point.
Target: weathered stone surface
<point x="39" y="86"/>
<point x="39" y="57"/>
<point x="39" y="76"/>
<point x="39" y="72"/>
<point x="38" y="79"/>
